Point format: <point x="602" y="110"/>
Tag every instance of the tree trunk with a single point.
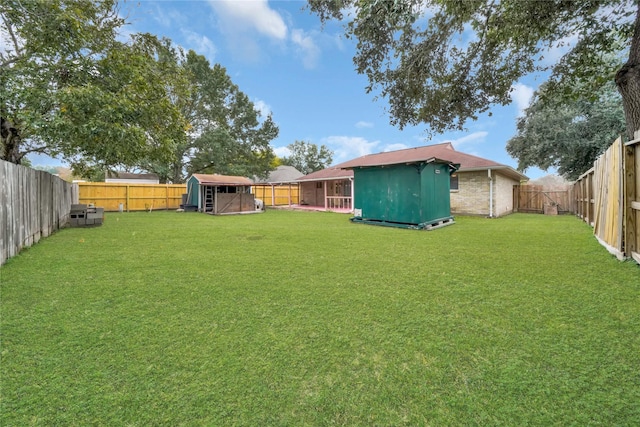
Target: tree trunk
<point x="10" y="150"/>
<point x="628" y="82"/>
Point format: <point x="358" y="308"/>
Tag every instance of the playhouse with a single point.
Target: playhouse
<point x="220" y="194"/>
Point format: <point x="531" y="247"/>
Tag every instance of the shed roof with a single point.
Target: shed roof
<point x="444" y="151"/>
<point x="215" y="179"/>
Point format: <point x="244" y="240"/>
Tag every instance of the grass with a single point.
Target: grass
<point x="298" y="318"/>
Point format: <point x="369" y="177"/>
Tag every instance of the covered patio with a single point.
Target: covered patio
<point x="329" y="189"/>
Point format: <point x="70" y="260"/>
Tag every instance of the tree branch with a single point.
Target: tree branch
<point x="16" y="45"/>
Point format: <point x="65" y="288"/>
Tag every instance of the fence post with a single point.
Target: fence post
<point x="632" y="204"/>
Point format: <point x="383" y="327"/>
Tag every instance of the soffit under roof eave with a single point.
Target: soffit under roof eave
<point x="332" y="178"/>
<point x="508" y="170"/>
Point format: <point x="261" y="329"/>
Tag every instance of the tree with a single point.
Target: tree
<point x="225" y="133"/>
<point x="442" y="62"/>
<point x="308" y="157"/>
<point x="569" y="136"/>
<point x="70" y="89"/>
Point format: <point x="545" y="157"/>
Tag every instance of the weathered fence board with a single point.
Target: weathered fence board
<point x="33" y="204"/>
<point x="583" y="189"/>
<point x="607" y="183"/>
<point x="607" y="197"/>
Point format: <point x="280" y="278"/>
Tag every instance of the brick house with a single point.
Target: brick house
<point x="479" y="187"/>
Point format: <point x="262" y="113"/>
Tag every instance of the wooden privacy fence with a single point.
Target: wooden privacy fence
<point x="277" y="194"/>
<point x="131" y="197"/>
<point x="33" y="204"/>
<point x="607" y="198"/>
<point x="533" y="198"/>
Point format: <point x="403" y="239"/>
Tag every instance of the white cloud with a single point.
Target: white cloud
<point x="469" y="140"/>
<point x="200" y="43"/>
<point x="521" y="95"/>
<point x="349" y="147"/>
<point x="306" y="47"/>
<point x="168" y="17"/>
<point x="282" y="152"/>
<point x="262" y="107"/>
<point x="362" y="124"/>
<point x="254" y="14"/>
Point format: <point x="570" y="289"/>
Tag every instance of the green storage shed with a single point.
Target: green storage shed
<point x="409" y="195"/>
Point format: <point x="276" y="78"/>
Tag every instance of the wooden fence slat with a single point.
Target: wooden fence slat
<point x="277" y="194"/>
<point x="33" y="204"/>
<point x="133" y="197"/>
<point x="632" y="197"/>
<point x="607" y="198"/>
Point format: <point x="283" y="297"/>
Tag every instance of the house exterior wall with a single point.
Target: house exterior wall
<point x="472" y="196"/>
<point x="310" y="195"/>
<point x="503" y="195"/>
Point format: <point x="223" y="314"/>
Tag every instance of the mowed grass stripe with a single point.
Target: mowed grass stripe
<point x="299" y="318"/>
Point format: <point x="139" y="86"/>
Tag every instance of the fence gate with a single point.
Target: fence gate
<point x="533" y="198"/>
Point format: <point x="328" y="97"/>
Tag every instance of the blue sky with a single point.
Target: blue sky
<point x="279" y="54"/>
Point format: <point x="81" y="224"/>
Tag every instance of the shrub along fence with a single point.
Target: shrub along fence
<point x="33" y="204"/>
<point x="607" y="197"/>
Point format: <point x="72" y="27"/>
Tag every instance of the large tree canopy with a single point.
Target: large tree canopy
<point x="308" y="157"/>
<point x="442" y="62"/>
<point x="70" y="89"/>
<point x="225" y="133"/>
<point x="567" y="136"/>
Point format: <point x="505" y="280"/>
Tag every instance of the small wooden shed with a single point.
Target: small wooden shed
<point x="410" y="194"/>
<point x="220" y="194"/>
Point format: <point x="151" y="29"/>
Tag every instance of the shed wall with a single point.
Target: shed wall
<point x="409" y="194"/>
<point x="234" y="202"/>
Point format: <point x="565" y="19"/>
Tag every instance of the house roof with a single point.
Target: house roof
<point x="282" y="174"/>
<point x="332" y="172"/>
<point x="222" y="179"/>
<point x="127" y="175"/>
<point x="445" y="151"/>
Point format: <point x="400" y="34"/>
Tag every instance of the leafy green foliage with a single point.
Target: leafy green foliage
<point x="225" y="133"/>
<point x="298" y="318"/>
<point x="568" y="136"/>
<point x="307" y="157"/>
<point x="442" y="62"/>
<point x="70" y="89"/>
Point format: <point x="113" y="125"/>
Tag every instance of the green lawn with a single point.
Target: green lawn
<point x="299" y="318"/>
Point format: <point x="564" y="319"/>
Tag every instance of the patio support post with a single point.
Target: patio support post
<point x="324" y="186"/>
<point x="352" y="194"/>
